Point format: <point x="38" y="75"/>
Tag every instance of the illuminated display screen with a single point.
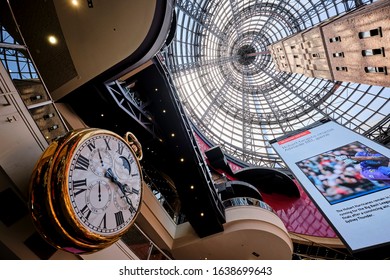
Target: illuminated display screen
<point x="347" y="176"/>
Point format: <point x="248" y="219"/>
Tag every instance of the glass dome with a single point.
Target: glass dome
<point x="228" y="84"/>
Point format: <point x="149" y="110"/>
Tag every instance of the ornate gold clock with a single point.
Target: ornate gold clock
<point x="86" y="189"/>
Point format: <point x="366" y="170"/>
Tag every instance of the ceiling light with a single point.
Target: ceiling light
<point x="102" y="115"/>
<point x="75" y="3"/>
<point x="52" y="40"/>
<point x="164" y="111"/>
<point x="202" y="214"/>
<point x="182" y="159"/>
<point x="192" y="187"/>
<point x="173" y="134"/>
<point x="156" y="89"/>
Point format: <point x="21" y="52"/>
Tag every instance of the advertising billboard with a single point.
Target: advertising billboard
<point x="348" y="177"/>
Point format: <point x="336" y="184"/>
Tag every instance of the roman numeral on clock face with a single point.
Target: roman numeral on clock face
<point x="132" y="209"/>
<point x="119" y="218"/>
<point x="107" y="141"/>
<point x="86" y="211"/>
<point x="103" y="222"/>
<point x="79" y="186"/>
<point x="131" y="160"/>
<point x="91" y="145"/>
<point x="120" y="148"/>
<point x="82" y="163"/>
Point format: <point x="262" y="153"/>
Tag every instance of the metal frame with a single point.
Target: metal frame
<point x="242" y="106"/>
<point x="135" y="108"/>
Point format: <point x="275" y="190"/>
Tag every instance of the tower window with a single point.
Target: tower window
<point x="370" y="52"/>
<point x="370" y="33"/>
<point x="376" y="70"/>
<point x="335" y="39"/>
<point x="315" y="55"/>
<point x="338" y="54"/>
<point x="341" y="69"/>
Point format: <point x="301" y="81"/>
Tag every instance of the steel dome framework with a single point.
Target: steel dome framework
<point x="231" y="90"/>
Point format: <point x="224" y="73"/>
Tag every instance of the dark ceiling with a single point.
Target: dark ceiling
<point x="33" y="18"/>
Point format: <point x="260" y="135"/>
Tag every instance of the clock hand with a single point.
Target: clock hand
<point x="100" y="157"/>
<point x="110" y="174"/>
<point x="100" y="195"/>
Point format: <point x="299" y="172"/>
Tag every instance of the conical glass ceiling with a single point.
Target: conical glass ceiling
<point x="228" y="83"/>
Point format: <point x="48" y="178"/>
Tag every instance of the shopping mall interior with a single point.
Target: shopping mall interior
<point x="198" y="84"/>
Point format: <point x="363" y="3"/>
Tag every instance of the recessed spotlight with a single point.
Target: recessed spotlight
<point x="182" y="160"/>
<point x="192" y="187"/>
<point x="173" y="135"/>
<point x="164" y="111"/>
<point x="202" y="214"/>
<point x="75" y="3"/>
<point x="52" y="39"/>
<point x="156" y="89"/>
<point x="102" y="115"/>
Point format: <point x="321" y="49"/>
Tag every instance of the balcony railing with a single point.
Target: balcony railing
<point x="246" y="201"/>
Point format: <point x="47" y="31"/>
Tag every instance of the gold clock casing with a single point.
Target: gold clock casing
<point x="50" y="205"/>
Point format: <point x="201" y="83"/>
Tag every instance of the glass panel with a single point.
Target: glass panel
<point x="235" y="94"/>
<point x="30" y="87"/>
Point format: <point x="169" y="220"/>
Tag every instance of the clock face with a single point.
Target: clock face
<point x="104" y="184"/>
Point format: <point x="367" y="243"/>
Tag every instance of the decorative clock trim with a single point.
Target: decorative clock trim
<point x="86" y="189"/>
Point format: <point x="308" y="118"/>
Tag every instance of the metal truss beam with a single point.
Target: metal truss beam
<point x="380" y="132"/>
<point x="136" y="109"/>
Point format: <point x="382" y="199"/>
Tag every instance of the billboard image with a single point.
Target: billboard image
<point x="347" y="172"/>
<point x="347" y="176"/>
